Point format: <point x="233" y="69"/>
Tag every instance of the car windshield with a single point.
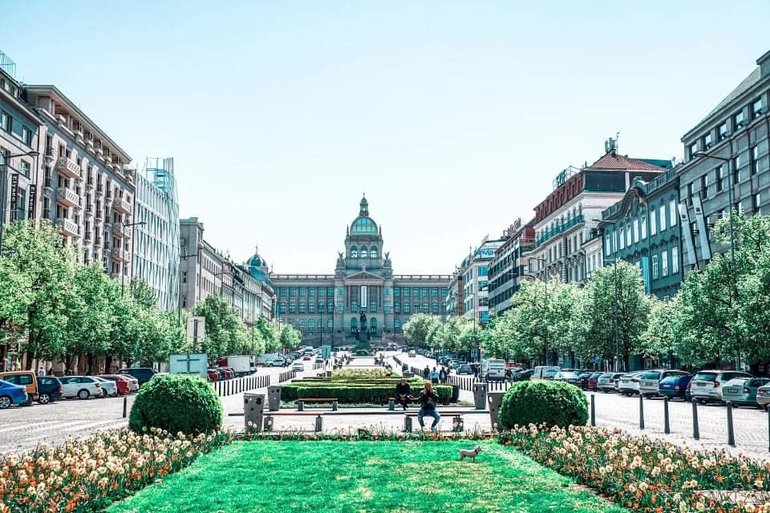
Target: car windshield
<point x="567" y="374"/>
<point x="669" y="379"/>
<point x="651" y="375"/>
<point x="705" y="376"/>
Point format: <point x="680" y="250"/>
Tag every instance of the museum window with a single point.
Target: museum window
<point x="364" y="252"/>
<point x="302" y="292"/>
<point x="653" y="221"/>
<point x="373" y="306"/>
<point x="407" y="292"/>
<point x="674" y="260"/>
<point x="754" y="160"/>
<point x="736" y="169"/>
<point x="311" y="292"/>
<point x="330" y="307"/>
<point x="373" y="253"/>
<point x="654" y="266"/>
<point x="644" y="227"/>
<point x="354" y="306"/>
<point x="397" y="307"/>
<point x="396" y="291"/>
<point x="302" y="307"/>
<point x="435" y="307"/>
<point x="353" y="252"/>
<point x="662" y="218"/>
<point x="756" y="108"/>
<point x="353" y="325"/>
<point x="406" y="307"/>
<point x="311" y="308"/>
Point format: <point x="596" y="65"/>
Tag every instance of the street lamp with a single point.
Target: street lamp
<point x="123" y="268"/>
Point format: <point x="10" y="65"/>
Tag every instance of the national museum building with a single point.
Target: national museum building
<point x="363" y="299"/>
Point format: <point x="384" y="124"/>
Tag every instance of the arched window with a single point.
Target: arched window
<point x="373" y="252"/>
<point x="364" y="252"/>
<point x="353" y="252"/>
<point x="373" y="325"/>
<point x="353" y="325"/>
<point x="311" y="324"/>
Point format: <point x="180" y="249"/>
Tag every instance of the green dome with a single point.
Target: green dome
<point x="363" y="226"/>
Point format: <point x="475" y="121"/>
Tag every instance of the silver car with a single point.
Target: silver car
<point x="607" y="382"/>
<point x="628" y="384"/>
<point x="648" y="382"/>
<point x="763" y="396"/>
<point x="707" y="385"/>
<point x="109" y="388"/>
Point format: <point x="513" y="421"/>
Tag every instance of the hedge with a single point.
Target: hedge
<point x="375" y="391"/>
<point x="553" y="403"/>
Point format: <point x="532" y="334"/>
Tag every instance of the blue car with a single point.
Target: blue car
<point x="12" y="394"/>
<point x="675" y="386"/>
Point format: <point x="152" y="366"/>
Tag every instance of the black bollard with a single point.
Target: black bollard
<point x="125" y="405"/>
<point x="666" y="423"/>
<point x="695" y="426"/>
<point x="593" y="410"/>
<point x="641" y="411"/>
<point x="730" y="432"/>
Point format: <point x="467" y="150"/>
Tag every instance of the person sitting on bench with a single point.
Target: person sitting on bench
<point x="403" y="392"/>
<point x="428" y="400"/>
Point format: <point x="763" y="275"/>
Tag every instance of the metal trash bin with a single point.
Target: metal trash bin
<point x="480" y="395"/>
<point x="495" y="400"/>
<point x="274" y="397"/>
<point x="253" y="411"/>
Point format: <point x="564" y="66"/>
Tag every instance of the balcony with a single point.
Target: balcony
<point x="121" y="230"/>
<point x="121" y="205"/>
<point x="558" y="229"/>
<point x="68" y="167"/>
<point x="68" y="227"/>
<point x="117" y="255"/>
<point x="68" y="197"/>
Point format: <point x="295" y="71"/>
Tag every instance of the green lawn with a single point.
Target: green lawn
<point x="360" y="477"/>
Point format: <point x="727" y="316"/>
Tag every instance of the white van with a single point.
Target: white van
<point x="493" y="369"/>
<point x="545" y="372"/>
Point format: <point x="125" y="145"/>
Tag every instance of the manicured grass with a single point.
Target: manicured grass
<point x="340" y="477"/>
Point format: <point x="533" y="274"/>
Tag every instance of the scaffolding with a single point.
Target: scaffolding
<point x="7" y="65"/>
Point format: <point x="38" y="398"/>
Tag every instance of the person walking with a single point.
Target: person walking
<point x="426" y="372"/>
<point x="403" y="392"/>
<point x="428" y="400"/>
<point x="434" y="376"/>
<point x="442" y="375"/>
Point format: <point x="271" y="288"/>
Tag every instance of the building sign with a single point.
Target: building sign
<point x="684" y="224"/>
<point x="703" y="234"/>
<point x="14" y="195"/>
<point x="32" y="201"/>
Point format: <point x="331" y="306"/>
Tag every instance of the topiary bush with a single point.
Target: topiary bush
<point x="543" y="402"/>
<point x="176" y="403"/>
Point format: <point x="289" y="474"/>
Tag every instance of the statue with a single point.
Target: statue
<point x="340" y="259"/>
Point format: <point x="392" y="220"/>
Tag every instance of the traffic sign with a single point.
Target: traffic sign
<point x="196" y="329"/>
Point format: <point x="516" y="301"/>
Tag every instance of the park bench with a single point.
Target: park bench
<point x="301" y="402"/>
<point x="392" y="402"/>
<point x="457" y="424"/>
<point x="268" y="419"/>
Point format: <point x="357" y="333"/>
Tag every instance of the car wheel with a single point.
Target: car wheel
<point x="84" y="394"/>
<point x="44" y="398"/>
<point x="5" y="402"/>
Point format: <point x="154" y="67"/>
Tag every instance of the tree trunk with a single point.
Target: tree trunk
<point x="90" y="364"/>
<point x="108" y="364"/>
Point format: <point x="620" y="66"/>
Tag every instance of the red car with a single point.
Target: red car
<point x="122" y="383"/>
<point x="593" y="381"/>
<point x="213" y="375"/>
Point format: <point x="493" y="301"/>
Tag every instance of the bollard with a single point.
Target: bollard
<point x="695" y="427"/>
<point x="593" y="410"/>
<point x="666" y="423"/>
<point x="641" y="411"/>
<point x="318" y="424"/>
<point x="730" y="432"/>
<point x="391" y="405"/>
<point x="408" y="424"/>
<point x="125" y="405"/>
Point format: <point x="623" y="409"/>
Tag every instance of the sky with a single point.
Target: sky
<point x="452" y="117"/>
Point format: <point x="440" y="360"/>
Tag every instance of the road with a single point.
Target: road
<point x="23" y="428"/>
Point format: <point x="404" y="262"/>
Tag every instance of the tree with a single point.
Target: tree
<point x="222" y="327"/>
<point x="419" y="328"/>
<point x="613" y="316"/>
<point x="290" y="338"/>
<point x="660" y="336"/>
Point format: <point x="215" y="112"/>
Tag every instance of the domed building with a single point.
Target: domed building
<point x="363" y="301"/>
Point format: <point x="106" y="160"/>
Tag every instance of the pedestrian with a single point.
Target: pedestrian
<point x="426" y="372"/>
<point x="41" y="372"/>
<point x="428" y="401"/>
<point x="434" y="376"/>
<point x="442" y="375"/>
<point x="403" y="392"/>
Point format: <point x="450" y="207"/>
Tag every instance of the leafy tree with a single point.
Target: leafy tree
<point x="419" y="328"/>
<point x="222" y="326"/>
<point x="290" y="338"/>
<point x="660" y="336"/>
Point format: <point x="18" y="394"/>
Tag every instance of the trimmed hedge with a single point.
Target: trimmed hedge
<point x="375" y="391"/>
<point x="176" y="403"/>
<point x="553" y="403"/>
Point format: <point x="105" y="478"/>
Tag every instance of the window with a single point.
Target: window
<point x="644" y="227"/>
<point x="704" y="186"/>
<point x="690" y="191"/>
<point x="736" y="169"/>
<point x="662" y="218"/>
<point x="21" y="204"/>
<point x="364" y="252"/>
<point x="664" y="263"/>
<point x="24" y="168"/>
<point x="674" y="260"/>
<point x="693" y="149"/>
<point x="654" y="266"/>
<point x="672" y="213"/>
<point x="754" y="160"/>
<point x="722" y="131"/>
<point x="26" y="136"/>
<point x="719" y="174"/>
<point x="757" y="201"/>
<point x="653" y="223"/>
<point x="353" y="252"/>
<point x="622" y="238"/>
<point x="707" y="141"/>
<point x="607" y="245"/>
<point x="302" y="292"/>
<point x="636" y="231"/>
<point x="756" y="108"/>
<point x="5" y="121"/>
<point x="738" y="120"/>
<point x="373" y="306"/>
<point x="373" y="253"/>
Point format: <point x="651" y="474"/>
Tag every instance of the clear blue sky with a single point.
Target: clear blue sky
<point x="453" y="117"/>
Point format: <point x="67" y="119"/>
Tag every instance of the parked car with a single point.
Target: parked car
<point x="607" y="381"/>
<point x="412" y="353"/>
<point x="583" y="378"/>
<point x="319" y="359"/>
<point x="27" y="379"/>
<point x="676" y="385"/>
<point x="524" y="375"/>
<point x="122" y="382"/>
<point x="213" y="374"/>
<point x="49" y="389"/>
<point x="593" y="381"/>
<point x="81" y="387"/>
<point x="707" y="385"/>
<point x="142" y="374"/>
<point x="229" y="372"/>
<point x="109" y="387"/>
<point x="464" y="369"/>
<point x="281" y="361"/>
<point x="628" y="384"/>
<point x="743" y="391"/>
<point x="570" y="377"/>
<point x="763" y="396"/>
<point x="545" y="372"/>
<point x="648" y="382"/>
<point x="298" y="366"/>
<point x="11" y="394"/>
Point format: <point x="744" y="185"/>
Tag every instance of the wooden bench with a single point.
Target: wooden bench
<point x="302" y="400"/>
<point x="268" y="418"/>
<point x="392" y="402"/>
<point x="457" y="425"/>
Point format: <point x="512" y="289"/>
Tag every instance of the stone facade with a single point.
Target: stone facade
<point x="510" y="265"/>
<point x="332" y="308"/>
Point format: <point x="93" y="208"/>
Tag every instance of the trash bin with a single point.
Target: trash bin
<point x="274" y="397"/>
<point x="480" y="395"/>
<point x="253" y="411"/>
<point x="495" y="400"/>
<point x="455" y="394"/>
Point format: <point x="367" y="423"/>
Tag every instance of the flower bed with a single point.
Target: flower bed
<point x="647" y="475"/>
<point x="89" y="474"/>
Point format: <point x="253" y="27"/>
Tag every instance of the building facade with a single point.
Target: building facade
<point x="510" y="265"/>
<point x="156" y="234"/>
<point x="644" y="229"/>
<point x="727" y="166"/>
<point x="19" y="133"/>
<point x="202" y="267"/>
<point x="475" y="280"/>
<point x="565" y="219"/>
<point x="363" y="298"/>
<point x="84" y="188"/>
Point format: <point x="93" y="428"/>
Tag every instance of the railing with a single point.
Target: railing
<point x="559" y="229"/>
<point x="432" y="277"/>
<point x="68" y="167"/>
<point x="286" y="376"/>
<point x="275" y="277"/>
<point x="238" y="385"/>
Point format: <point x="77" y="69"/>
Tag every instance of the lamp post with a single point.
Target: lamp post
<point x="3" y="185"/>
<point x="545" y="306"/>
<point x="123" y="267"/>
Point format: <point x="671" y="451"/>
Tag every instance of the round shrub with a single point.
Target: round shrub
<point x="176" y="403"/>
<point x="543" y="402"/>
